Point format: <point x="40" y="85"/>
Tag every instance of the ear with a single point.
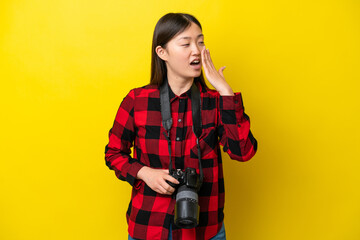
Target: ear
<point x="161" y="52"/>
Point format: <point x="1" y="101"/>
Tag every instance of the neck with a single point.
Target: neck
<point x="180" y="85"/>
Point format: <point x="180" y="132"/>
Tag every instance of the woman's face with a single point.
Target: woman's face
<point x="181" y="52"/>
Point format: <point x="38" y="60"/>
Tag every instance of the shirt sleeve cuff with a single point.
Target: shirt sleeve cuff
<point x="231" y="108"/>
<point x="133" y="171"/>
<point x="231" y="102"/>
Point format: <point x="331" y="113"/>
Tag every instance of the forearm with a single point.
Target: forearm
<point x="234" y="128"/>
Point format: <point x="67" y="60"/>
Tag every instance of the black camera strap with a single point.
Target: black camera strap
<point x="167" y="119"/>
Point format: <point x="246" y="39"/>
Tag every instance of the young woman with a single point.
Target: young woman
<point x="178" y="56"/>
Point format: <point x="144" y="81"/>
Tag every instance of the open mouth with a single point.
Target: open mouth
<point x="195" y="62"/>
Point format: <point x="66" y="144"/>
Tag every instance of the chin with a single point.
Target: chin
<point x="197" y="74"/>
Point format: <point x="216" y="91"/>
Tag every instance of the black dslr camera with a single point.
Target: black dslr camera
<point x="187" y="208"/>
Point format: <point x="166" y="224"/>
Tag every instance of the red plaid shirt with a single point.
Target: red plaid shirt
<point x="138" y="124"/>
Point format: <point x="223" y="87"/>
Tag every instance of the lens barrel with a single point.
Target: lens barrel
<point x="187" y="209"/>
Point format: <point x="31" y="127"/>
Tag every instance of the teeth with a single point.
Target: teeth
<point x="196" y="61"/>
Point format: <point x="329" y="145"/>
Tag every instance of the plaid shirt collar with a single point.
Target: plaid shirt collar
<point x="186" y="94"/>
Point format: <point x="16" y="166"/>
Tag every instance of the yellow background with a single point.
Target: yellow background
<point x="66" y="65"/>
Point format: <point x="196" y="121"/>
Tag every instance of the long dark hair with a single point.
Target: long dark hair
<point x="166" y="28"/>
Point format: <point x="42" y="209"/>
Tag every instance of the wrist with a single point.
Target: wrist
<point x="226" y="93"/>
<point x="141" y="173"/>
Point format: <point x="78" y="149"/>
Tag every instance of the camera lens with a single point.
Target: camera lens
<point x="186" y="208"/>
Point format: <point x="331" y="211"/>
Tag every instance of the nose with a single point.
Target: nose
<point x="196" y="50"/>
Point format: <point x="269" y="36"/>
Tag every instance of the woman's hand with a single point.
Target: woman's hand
<point x="156" y="179"/>
<point x="216" y="78"/>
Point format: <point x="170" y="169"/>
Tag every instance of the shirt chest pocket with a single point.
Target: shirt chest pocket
<point x="208" y="142"/>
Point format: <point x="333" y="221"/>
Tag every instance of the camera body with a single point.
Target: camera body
<point x="189" y="177"/>
<point x="187" y="208"/>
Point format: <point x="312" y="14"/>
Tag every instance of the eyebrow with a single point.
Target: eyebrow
<point x="200" y="35"/>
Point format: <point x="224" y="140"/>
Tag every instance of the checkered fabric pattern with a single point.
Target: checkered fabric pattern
<point x="138" y="124"/>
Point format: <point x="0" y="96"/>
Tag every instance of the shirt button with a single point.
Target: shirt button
<point x="177" y="139"/>
<point x="179" y="120"/>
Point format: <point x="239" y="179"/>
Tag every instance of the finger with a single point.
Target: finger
<point x="221" y="71"/>
<point x="160" y="189"/>
<point x="206" y="63"/>
<point x="171" y="179"/>
<point x="203" y="56"/>
<point x="168" y="189"/>
<point x="166" y="184"/>
<point x="210" y="60"/>
<point x="207" y="58"/>
<point x="203" y="50"/>
<point x="203" y="60"/>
